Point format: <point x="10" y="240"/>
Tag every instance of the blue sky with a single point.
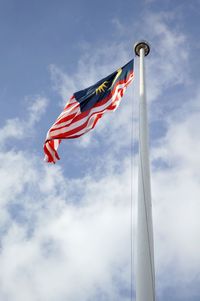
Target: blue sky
<point x="65" y="229"/>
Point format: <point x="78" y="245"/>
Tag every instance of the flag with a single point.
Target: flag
<point x="86" y="107"/>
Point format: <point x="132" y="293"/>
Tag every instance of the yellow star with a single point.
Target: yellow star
<point x="102" y="87"/>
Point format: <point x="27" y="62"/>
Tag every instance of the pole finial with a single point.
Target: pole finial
<point x="142" y="44"/>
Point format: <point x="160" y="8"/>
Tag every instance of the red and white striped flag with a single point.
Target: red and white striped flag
<point x="85" y="108"/>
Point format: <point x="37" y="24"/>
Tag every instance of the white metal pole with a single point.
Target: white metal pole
<point x="145" y="272"/>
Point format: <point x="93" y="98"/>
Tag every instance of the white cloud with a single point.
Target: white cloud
<point x="36" y="109"/>
<point x="70" y="241"/>
<point x="63" y="83"/>
<point x="169" y="60"/>
<point x="12" y="128"/>
<point x="20" y="128"/>
<point x="176" y="199"/>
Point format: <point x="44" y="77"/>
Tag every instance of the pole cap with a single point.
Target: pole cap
<point x="142" y="44"/>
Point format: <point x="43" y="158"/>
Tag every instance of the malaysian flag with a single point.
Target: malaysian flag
<point x="86" y="107"/>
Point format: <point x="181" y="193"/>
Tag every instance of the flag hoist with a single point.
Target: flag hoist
<point x="145" y="272"/>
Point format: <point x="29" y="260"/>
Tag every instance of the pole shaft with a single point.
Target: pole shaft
<point x="145" y="274"/>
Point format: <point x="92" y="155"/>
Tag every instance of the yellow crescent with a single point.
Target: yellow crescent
<point x="119" y="71"/>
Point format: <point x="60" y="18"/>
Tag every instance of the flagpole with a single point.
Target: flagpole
<point x="145" y="272"/>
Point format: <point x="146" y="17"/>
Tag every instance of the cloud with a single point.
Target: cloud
<point x="63" y="83"/>
<point x="36" y="109"/>
<point x="17" y="128"/>
<point x="176" y="200"/>
<point x="170" y="53"/>
<point x="59" y="237"/>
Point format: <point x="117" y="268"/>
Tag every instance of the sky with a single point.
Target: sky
<point x="65" y="228"/>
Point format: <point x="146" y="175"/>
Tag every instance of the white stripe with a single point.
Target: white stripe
<point x="69" y="111"/>
<point x="130" y="79"/>
<point x="56" y="143"/>
<point x="51" y="152"/>
<point x="58" y="125"/>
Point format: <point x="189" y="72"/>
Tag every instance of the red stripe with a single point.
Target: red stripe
<point x="69" y="105"/>
<point x="49" y="156"/>
<point x="65" y="119"/>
